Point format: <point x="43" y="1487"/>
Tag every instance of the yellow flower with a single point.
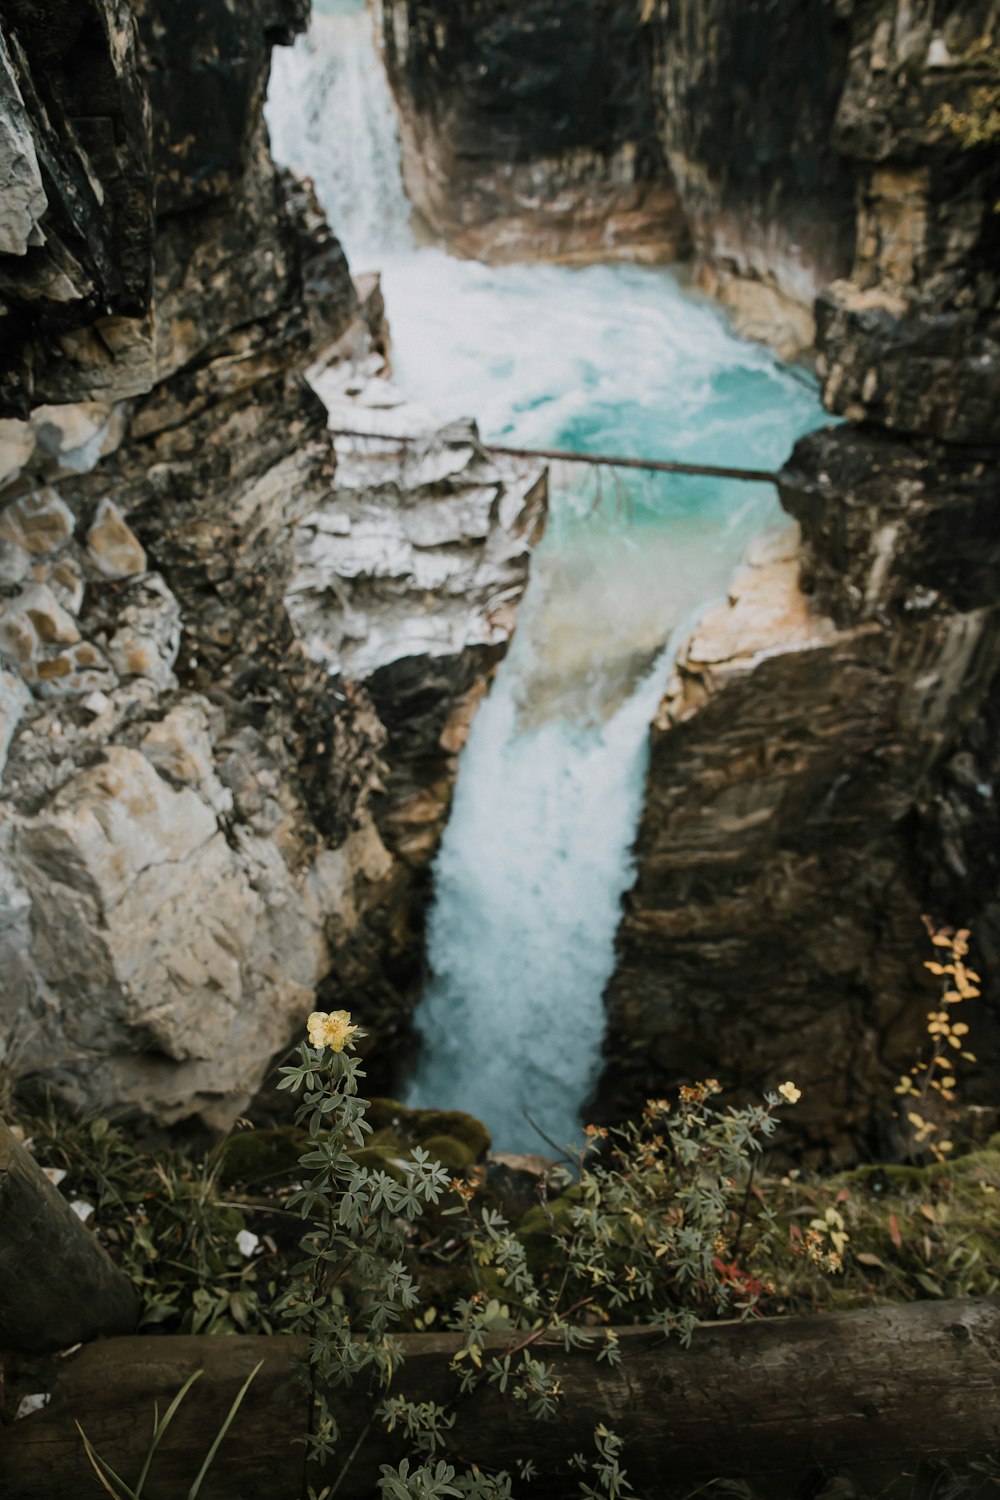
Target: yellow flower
<point x="333" y="1029"/>
<point x="789" y="1092"/>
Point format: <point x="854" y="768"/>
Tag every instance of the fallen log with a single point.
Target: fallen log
<point x="57" y="1285"/>
<point x="770" y="1400"/>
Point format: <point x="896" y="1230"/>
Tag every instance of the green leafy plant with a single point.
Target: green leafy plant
<point x="649" y="1221"/>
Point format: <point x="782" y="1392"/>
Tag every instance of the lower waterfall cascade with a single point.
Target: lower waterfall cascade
<point x="535" y="859"/>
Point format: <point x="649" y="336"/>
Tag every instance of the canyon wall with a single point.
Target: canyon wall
<point x="824" y="765"/>
<point x="745" y="99"/>
<point x="528" y="130"/>
<point x="237" y="661"/>
<point x="634" y="129"/>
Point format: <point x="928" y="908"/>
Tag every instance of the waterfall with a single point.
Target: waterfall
<point x="331" y="117"/>
<point x="536" y="855"/>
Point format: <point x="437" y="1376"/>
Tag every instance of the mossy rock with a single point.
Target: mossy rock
<point x="257" y="1157"/>
<point x="449" y="1151"/>
<point x="896" y="1177"/>
<point x="416" y="1127"/>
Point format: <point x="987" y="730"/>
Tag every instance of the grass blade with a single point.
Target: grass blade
<point x="210" y="1455"/>
<point x="160" y="1428"/>
<point x="104" y="1471"/>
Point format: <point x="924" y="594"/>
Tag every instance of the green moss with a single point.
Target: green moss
<point x="449" y="1151"/>
<point x="256" y="1157"/>
<point x="415" y="1127"/>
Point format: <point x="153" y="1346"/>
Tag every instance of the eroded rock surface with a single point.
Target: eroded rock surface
<point x="822" y="771"/>
<point x="229" y="745"/>
<point x="527" y="129"/>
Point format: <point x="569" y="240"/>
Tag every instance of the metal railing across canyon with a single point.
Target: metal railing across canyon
<point x="601" y="460"/>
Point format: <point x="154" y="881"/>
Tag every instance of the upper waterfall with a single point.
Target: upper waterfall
<point x="331" y="117"/>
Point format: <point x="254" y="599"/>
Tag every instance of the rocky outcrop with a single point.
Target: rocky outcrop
<point x="822" y="769"/>
<point x="229" y="747"/>
<point x="528" y="132"/>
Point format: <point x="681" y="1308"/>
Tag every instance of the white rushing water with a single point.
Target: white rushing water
<point x="536" y="855"/>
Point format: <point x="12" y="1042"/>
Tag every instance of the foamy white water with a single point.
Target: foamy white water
<point x="330" y="116"/>
<point x="536" y="855"/>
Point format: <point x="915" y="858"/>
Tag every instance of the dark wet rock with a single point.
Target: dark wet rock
<point x="822" y="769"/>
<point x="528" y="129"/>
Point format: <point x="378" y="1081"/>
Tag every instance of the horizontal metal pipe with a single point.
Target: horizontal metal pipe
<point x="608" y="460"/>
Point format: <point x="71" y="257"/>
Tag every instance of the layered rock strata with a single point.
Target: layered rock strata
<point x="228" y="748"/>
<point x="822" y="767"/>
<point x="528" y="132"/>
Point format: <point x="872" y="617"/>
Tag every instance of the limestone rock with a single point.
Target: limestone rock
<point x="14" y="699"/>
<point x="137" y="957"/>
<point x="148" y="636"/>
<point x="40" y="523"/>
<point x="17" y="444"/>
<point x="22" y="194"/>
<point x="112" y="547"/>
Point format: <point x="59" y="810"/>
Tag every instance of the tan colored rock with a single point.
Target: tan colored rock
<point x="17" y="444"/>
<point x="40" y="523"/>
<point x="65" y="578"/>
<point x="79" y="669"/>
<point x="112" y="546"/>
<point x="769" y="315"/>
<point x="77" y="436"/>
<point x="19" y="643"/>
<point x="37" y="609"/>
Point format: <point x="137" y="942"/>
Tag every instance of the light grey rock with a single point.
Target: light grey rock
<point x="14" y="562"/>
<point x="22" y="195"/>
<point x="420" y="548"/>
<point x="149" y="634"/>
<point x="74" y="438"/>
<point x="153" y="937"/>
<point x="14" y="699"/>
<point x="180" y="747"/>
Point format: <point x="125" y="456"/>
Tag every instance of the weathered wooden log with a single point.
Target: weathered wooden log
<point x="57" y="1285"/>
<point x="770" y="1401"/>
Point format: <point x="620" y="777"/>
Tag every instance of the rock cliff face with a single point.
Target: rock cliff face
<point x="528" y="129"/>
<point x="228" y="742"/>
<point x="746" y="94"/>
<point x="823" y="768"/>
<point x="638" y="129"/>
